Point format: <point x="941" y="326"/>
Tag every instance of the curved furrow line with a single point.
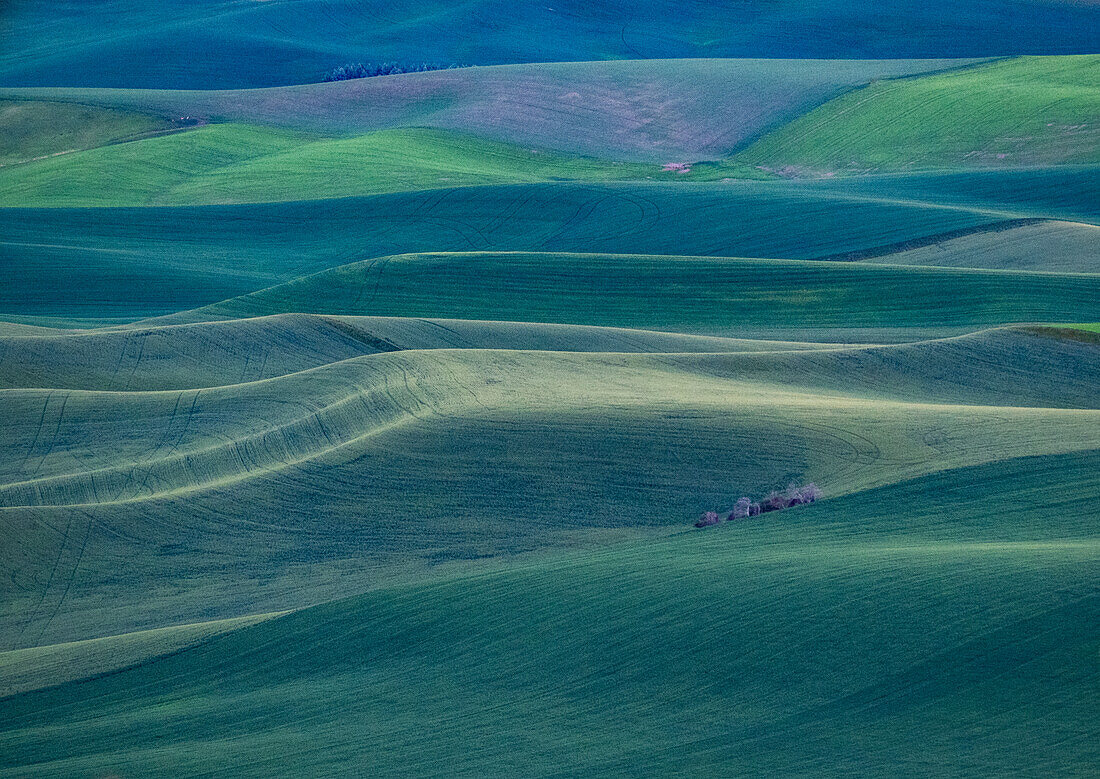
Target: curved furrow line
<point x="354" y="409"/>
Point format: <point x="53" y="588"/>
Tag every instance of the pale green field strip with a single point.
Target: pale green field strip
<point x="1027" y="111"/>
<point x="1058" y="247"/>
<point x="33" y="129"/>
<point x="241" y="164"/>
<point x="45" y="666"/>
<point x="267" y="427"/>
<point x="235" y="351"/>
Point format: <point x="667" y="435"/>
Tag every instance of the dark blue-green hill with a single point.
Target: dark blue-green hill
<point x="235" y="43"/>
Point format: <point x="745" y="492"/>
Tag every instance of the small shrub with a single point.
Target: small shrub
<point x="775" y="501"/>
<point x="741" y="509"/>
<point x="797" y="496"/>
<point x="709" y="518"/>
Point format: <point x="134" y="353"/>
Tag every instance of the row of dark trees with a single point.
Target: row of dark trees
<point x="370" y="69"/>
<point x="775" y="501"/>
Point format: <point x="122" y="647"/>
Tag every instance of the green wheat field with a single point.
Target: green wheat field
<point x="367" y="367"/>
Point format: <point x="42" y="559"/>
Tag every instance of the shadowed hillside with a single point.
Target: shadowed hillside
<point x="422" y="457"/>
<point x="823" y="637"/>
<point x="132" y="263"/>
<point x="132" y="44"/>
<point x="705" y="295"/>
<point x="1065" y="247"/>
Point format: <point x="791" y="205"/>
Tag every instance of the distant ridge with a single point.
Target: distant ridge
<point x="255" y="44"/>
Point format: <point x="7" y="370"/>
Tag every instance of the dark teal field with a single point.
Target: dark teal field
<point x="361" y="427"/>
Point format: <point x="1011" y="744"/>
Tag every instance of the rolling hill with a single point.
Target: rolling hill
<point x="36" y="129"/>
<point x="241" y="164"/>
<point x="390" y="426"/>
<point x="129" y="263"/>
<point x="256" y="44"/>
<point x="822" y="638"/>
<point x="1034" y="111"/>
<point x="1068" y="247"/>
<point x="634" y="110"/>
<point x="704" y="295"/>
<point x="225" y="351"/>
<point x="1030" y="111"/>
<point x="229" y="163"/>
<point x="347" y="475"/>
<point x="1068" y="193"/>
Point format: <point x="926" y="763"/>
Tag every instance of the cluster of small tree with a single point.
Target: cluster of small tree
<point x="370" y="69"/>
<point x="775" y="501"/>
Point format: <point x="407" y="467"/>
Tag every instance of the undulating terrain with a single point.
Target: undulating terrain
<point x="360" y="426"/>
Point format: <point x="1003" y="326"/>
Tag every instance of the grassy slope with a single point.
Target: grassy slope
<point x="281" y="493"/>
<point x="711" y="295"/>
<point x="640" y="110"/>
<point x="38" y="667"/>
<point x="1066" y="193"/>
<point x="240" y="350"/>
<point x="159" y="474"/>
<point x="135" y="44"/>
<point x="1025" y="111"/>
<point x="147" y="261"/>
<point x="31" y="130"/>
<point x="821" y="637"/>
<point x="139" y="172"/>
<point x="1042" y="107"/>
<point x="1062" y="247"/>
<point x="240" y="163"/>
<point x="273" y="424"/>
